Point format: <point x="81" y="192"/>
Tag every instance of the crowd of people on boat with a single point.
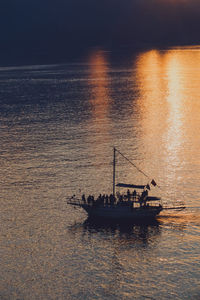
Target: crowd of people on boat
<point x="123" y="199"/>
<point x="101" y="199"/>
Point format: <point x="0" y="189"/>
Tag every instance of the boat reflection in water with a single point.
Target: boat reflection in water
<point x="113" y="252"/>
<point x="127" y="234"/>
<point x="138" y="227"/>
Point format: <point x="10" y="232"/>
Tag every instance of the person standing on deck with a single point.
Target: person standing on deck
<point x="83" y="198"/>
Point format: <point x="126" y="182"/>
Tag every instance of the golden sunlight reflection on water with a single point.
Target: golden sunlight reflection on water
<point x="165" y="114"/>
<point x="99" y="100"/>
<point x="58" y="126"/>
<point x="169" y="107"/>
<point x="159" y="126"/>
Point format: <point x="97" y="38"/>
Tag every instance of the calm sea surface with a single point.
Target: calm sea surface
<point x="58" y="124"/>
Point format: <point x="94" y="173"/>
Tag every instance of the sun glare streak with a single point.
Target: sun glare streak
<point x="160" y="112"/>
<point x="99" y="124"/>
<point x="175" y="102"/>
<point x="99" y="85"/>
<point x="183" y="85"/>
<point x="151" y="81"/>
<point x="169" y="107"/>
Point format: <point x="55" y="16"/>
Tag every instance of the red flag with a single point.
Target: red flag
<point x="153" y="182"/>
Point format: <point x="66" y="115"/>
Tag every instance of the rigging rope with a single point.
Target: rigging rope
<point x="134" y="165"/>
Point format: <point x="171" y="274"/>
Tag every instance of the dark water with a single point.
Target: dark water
<point x="58" y="124"/>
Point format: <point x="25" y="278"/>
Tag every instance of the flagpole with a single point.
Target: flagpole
<point x="114" y="158"/>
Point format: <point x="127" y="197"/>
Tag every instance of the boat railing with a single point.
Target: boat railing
<point x="74" y="201"/>
<point x="125" y="202"/>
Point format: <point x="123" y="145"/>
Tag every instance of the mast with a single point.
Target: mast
<point x="114" y="161"/>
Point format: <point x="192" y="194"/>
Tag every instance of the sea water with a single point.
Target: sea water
<point x="58" y="126"/>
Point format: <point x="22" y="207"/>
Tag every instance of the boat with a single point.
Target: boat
<point x="132" y="205"/>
